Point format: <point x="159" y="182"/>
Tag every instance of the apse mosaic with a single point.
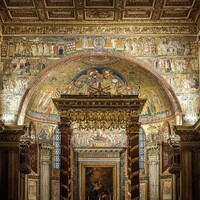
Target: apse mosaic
<point x="85" y="82"/>
<point x="173" y="58"/>
<point x="84" y="79"/>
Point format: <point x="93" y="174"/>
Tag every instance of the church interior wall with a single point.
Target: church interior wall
<point x="174" y="58"/>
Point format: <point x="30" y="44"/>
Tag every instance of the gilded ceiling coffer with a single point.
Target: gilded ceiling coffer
<point x="99" y="112"/>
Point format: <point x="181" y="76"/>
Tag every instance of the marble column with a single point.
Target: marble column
<point x="45" y="166"/>
<point x="153" y="169"/>
<point x="10" y="161"/>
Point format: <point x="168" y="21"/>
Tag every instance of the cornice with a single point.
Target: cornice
<point x="189" y="133"/>
<point x="188" y="128"/>
<point x="15" y="129"/>
<point x="102" y="22"/>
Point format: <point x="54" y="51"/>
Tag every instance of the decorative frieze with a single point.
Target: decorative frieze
<point x="62" y="29"/>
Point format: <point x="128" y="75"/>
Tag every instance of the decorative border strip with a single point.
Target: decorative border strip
<point x="62" y="29"/>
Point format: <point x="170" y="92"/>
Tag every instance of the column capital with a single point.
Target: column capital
<point x="45" y="153"/>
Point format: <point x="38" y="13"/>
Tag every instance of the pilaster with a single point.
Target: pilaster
<point x="45" y="162"/>
<point x="189" y="160"/>
<point x="10" y="161"/>
<point x="153" y="153"/>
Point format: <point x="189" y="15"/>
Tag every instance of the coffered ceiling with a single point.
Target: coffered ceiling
<point x="99" y="11"/>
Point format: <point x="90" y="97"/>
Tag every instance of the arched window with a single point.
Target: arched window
<point x="141" y="148"/>
<point x="57" y="148"/>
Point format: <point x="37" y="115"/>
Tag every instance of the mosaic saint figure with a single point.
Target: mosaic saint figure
<point x="109" y="81"/>
<point x="89" y="79"/>
<point x="34" y="50"/>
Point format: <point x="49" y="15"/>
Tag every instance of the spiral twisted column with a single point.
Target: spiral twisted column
<point x="65" y="171"/>
<point x="133" y="159"/>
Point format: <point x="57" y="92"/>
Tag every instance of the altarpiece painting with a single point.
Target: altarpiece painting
<point x="98" y="182"/>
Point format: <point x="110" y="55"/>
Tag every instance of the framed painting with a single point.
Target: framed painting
<point x="166" y="189"/>
<point x="98" y="182"/>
